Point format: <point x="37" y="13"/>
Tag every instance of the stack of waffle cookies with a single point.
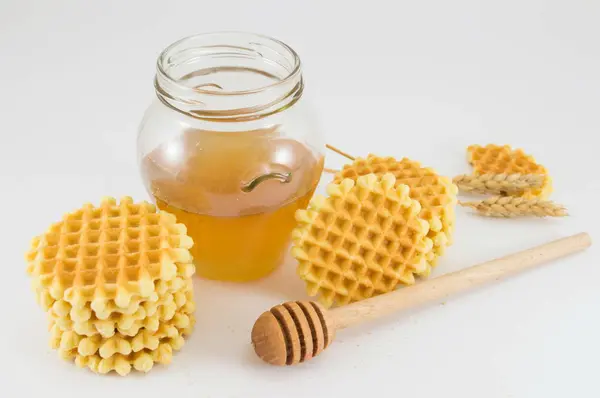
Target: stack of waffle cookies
<point x="116" y="283"/>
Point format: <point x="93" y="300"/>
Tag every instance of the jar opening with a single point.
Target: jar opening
<point x="194" y="61"/>
<point x="222" y="75"/>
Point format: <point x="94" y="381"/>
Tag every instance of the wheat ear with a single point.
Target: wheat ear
<point x="509" y="206"/>
<point x="498" y="184"/>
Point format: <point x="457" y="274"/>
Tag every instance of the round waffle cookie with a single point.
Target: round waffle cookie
<point x="115" y="277"/>
<point x="108" y="255"/>
<point x="180" y="325"/>
<point x="86" y="320"/>
<point x="105" y="309"/>
<point x="142" y="361"/>
<point x="149" y="316"/>
<point x="496" y="159"/>
<point x="364" y="239"/>
<point x="122" y="353"/>
<point x="435" y="193"/>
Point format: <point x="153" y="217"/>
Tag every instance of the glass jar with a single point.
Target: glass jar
<point x="231" y="148"/>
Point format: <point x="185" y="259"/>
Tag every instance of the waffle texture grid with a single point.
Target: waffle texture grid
<point x="364" y="239"/>
<point x="436" y="194"/>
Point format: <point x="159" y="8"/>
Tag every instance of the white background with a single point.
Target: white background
<point x="422" y="79"/>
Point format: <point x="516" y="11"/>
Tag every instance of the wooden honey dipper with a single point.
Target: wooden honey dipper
<point x="296" y="331"/>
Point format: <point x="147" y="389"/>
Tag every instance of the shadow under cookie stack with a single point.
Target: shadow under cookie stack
<point x="116" y="283"/>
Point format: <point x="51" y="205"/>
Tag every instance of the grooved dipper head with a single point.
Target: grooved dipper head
<point x="291" y="333"/>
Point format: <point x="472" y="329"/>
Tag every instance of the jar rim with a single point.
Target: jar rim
<point x="165" y="75"/>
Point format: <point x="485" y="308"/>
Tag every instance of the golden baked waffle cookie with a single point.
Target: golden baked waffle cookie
<point x="108" y="256"/>
<point x="149" y="316"/>
<point x="435" y="193"/>
<point x="109" y="310"/>
<point x="142" y="361"/>
<point x="496" y="159"/>
<point x="364" y="239"/>
<point x="122" y="353"/>
<point x="179" y="326"/>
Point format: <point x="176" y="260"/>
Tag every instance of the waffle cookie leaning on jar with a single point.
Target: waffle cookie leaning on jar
<point x="436" y="194"/>
<point x="116" y="283"/>
<point x="365" y="238"/>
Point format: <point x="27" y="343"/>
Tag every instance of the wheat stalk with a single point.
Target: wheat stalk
<point x="340" y="152"/>
<point x="498" y="184"/>
<point x="509" y="206"/>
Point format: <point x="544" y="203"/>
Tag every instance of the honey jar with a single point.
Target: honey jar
<point x="232" y="148"/>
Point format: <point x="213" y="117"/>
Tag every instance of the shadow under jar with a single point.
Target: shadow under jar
<point x="231" y="148"/>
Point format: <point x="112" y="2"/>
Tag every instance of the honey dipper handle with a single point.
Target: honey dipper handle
<point x="455" y="282"/>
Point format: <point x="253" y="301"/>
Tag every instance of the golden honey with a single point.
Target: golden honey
<point x="237" y="193"/>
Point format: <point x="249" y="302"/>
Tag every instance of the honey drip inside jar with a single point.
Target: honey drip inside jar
<point x="237" y="193"/>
